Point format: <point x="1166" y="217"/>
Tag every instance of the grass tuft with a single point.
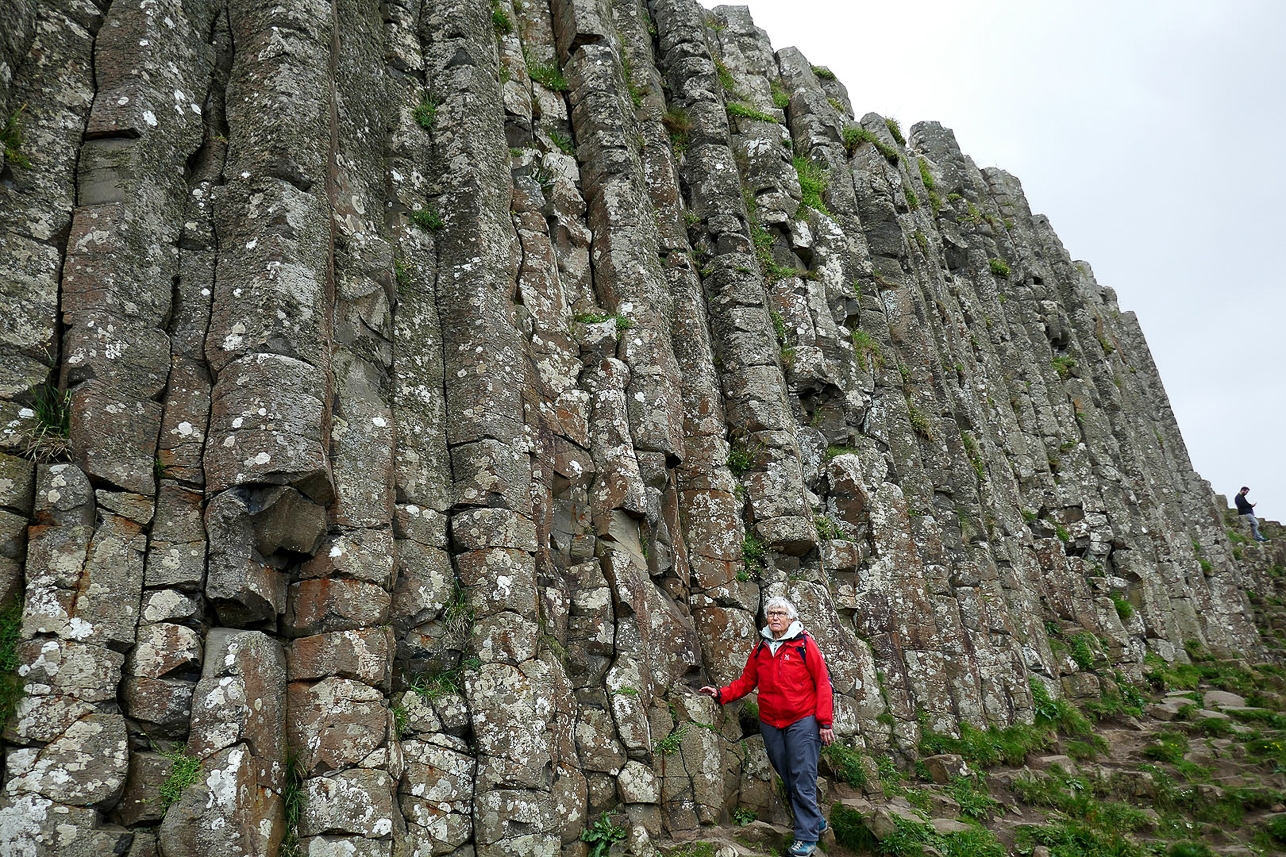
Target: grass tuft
<point x="11" y="139"/>
<point x="428" y="219"/>
<point x="547" y="75"/>
<point x="11" y="686"/>
<point x="745" y="111"/>
<point x="896" y="130"/>
<point x="427" y="111"/>
<point x="184" y="771"/>
<point x="812" y="184"/>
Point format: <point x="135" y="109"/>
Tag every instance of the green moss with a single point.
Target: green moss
<point x="500" y="20"/>
<point x="679" y="124"/>
<point x="753" y="551"/>
<point x="823" y="73"/>
<point x="725" y="76"/>
<point x="443" y="682"/>
<point x="829" y="529"/>
<point x="912" y="201"/>
<point x="998" y="267"/>
<point x="919" y="423"/>
<point x="1124" y="609"/>
<point x="974" y="800"/>
<point x="623" y="322"/>
<point x="986" y="748"/>
<point x="925" y="175"/>
<point x="1081" y="652"/>
<point x="851" y="831"/>
<point x="399" y="720"/>
<point x="869" y="355"/>
<point x="740" y="458"/>
<point x="673" y="741"/>
<point x="636" y="94"/>
<point x="402" y="274"/>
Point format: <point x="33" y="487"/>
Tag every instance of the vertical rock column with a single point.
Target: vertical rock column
<point x="753" y="387"/>
<point x="48" y="76"/>
<point x="490" y="517"/>
<point x="340" y="663"/>
<point x="71" y="752"/>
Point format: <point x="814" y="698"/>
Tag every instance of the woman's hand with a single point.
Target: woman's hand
<point x="828" y="736"/>
<point x="708" y="691"/>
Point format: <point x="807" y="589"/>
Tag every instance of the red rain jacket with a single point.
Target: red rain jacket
<point x="792" y="684"/>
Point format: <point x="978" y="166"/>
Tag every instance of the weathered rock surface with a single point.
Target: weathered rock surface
<point x="449" y="382"/>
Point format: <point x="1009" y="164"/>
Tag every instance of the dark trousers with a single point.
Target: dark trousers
<point x="793" y="752"/>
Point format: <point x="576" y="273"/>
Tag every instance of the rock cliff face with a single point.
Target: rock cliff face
<point x="450" y="381"/>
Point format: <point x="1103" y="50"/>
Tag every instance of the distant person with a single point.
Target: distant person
<point x="1246" y="509"/>
<point x="795" y="709"/>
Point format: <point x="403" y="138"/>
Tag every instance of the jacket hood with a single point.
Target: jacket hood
<point x="796" y="628"/>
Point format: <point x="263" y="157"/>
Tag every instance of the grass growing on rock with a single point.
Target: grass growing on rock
<point x="444" y="682"/>
<point x="50" y="415"/>
<point x="855" y="136"/>
<point x="547" y="75"/>
<point x="812" y="184"/>
<point x="427" y="219"/>
<point x="292" y="806"/>
<point x="846" y="763"/>
<point x="11" y="140"/>
<point x="184" y="771"/>
<point x="427" y="111"/>
<point x="10" y="683"/>
<point x="753" y="551"/>
<point x="745" y="111"/>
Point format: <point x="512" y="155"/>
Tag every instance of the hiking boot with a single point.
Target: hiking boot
<point x="802" y="849"/>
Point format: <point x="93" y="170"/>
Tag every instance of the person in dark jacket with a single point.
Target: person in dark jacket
<point x="795" y="711"/>
<point x="1246" y="509"/>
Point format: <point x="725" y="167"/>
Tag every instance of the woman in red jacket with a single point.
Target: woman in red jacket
<point x="795" y="710"/>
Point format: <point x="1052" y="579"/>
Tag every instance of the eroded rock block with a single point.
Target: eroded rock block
<point x="265" y="426"/>
<point x="357" y="802"/>
<point x="336" y="723"/>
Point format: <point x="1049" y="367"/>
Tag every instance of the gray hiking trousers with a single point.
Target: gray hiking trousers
<point x="793" y="752"/>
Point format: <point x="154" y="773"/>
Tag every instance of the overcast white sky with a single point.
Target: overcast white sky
<point x="1152" y="134"/>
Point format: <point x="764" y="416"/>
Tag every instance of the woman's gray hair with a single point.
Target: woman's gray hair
<point x="783" y="603"/>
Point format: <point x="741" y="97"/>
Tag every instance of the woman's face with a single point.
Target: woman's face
<point x="778" y="621"/>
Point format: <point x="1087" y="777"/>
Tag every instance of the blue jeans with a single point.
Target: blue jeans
<point x="1254" y="527"/>
<point x="793" y="752"/>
